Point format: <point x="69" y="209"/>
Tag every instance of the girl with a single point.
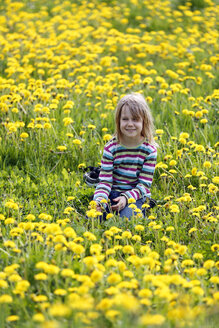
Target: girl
<point x="129" y="158"/>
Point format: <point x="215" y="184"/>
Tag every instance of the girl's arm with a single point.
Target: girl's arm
<point x="145" y="178"/>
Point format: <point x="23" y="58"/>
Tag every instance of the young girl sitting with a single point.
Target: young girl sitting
<point x="129" y="158"/>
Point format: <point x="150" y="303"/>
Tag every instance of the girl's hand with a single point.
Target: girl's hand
<point x="121" y="203"/>
<point x="98" y="208"/>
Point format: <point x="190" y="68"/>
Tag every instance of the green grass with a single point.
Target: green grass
<point x="82" y="57"/>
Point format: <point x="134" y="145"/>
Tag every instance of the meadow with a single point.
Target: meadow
<point x="63" y="67"/>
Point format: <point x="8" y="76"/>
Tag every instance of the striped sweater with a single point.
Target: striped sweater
<point x="127" y="170"/>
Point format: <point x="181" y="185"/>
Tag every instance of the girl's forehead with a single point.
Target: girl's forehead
<point x="126" y="110"/>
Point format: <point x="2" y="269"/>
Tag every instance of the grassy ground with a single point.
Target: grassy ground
<point x="63" y="67"/>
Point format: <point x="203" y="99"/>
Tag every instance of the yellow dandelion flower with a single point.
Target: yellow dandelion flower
<point x="114" y="278"/>
<point x="77" y="142"/>
<point x="209" y="264"/>
<point x="214" y="280"/>
<point x="197" y="256"/>
<point x="184" y="135"/>
<point x="96" y="276"/>
<point x="126" y="235"/>
<point x="216" y="296"/>
<point x="112" y="314"/>
<point x="128" y="249"/>
<point x="3" y="284"/>
<point x="201" y="272"/>
<point x="92" y="213"/>
<point x="109" y="216"/>
<point x="67" y="121"/>
<point x="170" y="228"/>
<point x="133" y="206"/>
<point x="159" y="131"/>
<point x="91" y="126"/>
<point x="215" y="180"/>
<point x="152" y="319"/>
<point x="78" y="249"/>
<point x="212" y="188"/>
<point x="172" y="162"/>
<point x="12" y="318"/>
<point x="40" y="298"/>
<point x="5" y="298"/>
<point x="104" y="304"/>
<point x="50" y="323"/>
<point x="15" y="277"/>
<point x="197" y="291"/>
<point x="61" y="148"/>
<point x="89" y="235"/>
<point x="38" y="317"/>
<point x="60" y="292"/>
<point x="9" y="243"/>
<point x="107" y="137"/>
<point x="204" y="121"/>
<point x="59" y="310"/>
<point x="192" y="230"/>
<point x="174" y="208"/>
<point x="215" y="247"/>
<point x="139" y="227"/>
<point x="41" y="276"/>
<point x="207" y="164"/>
<point x="112" y="290"/>
<point x="131" y="200"/>
<point x="24" y="135"/>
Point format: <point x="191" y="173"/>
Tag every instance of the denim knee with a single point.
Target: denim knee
<point x="127" y="212"/>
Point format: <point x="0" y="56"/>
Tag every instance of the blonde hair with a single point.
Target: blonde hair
<point x="138" y="108"/>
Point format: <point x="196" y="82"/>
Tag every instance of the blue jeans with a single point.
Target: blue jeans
<point x="126" y="211"/>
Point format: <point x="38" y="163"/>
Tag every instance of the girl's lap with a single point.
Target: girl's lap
<point x="126" y="211"/>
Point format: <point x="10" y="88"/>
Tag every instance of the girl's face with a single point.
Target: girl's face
<point x="131" y="128"/>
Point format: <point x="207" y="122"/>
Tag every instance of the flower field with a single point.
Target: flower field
<point x="63" y="67"/>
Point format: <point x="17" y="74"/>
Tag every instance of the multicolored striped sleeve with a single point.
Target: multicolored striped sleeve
<point x="145" y="178"/>
<point x="104" y="187"/>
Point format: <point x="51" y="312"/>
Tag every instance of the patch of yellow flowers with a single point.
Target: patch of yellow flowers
<point x="129" y="276"/>
<point x="73" y="50"/>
